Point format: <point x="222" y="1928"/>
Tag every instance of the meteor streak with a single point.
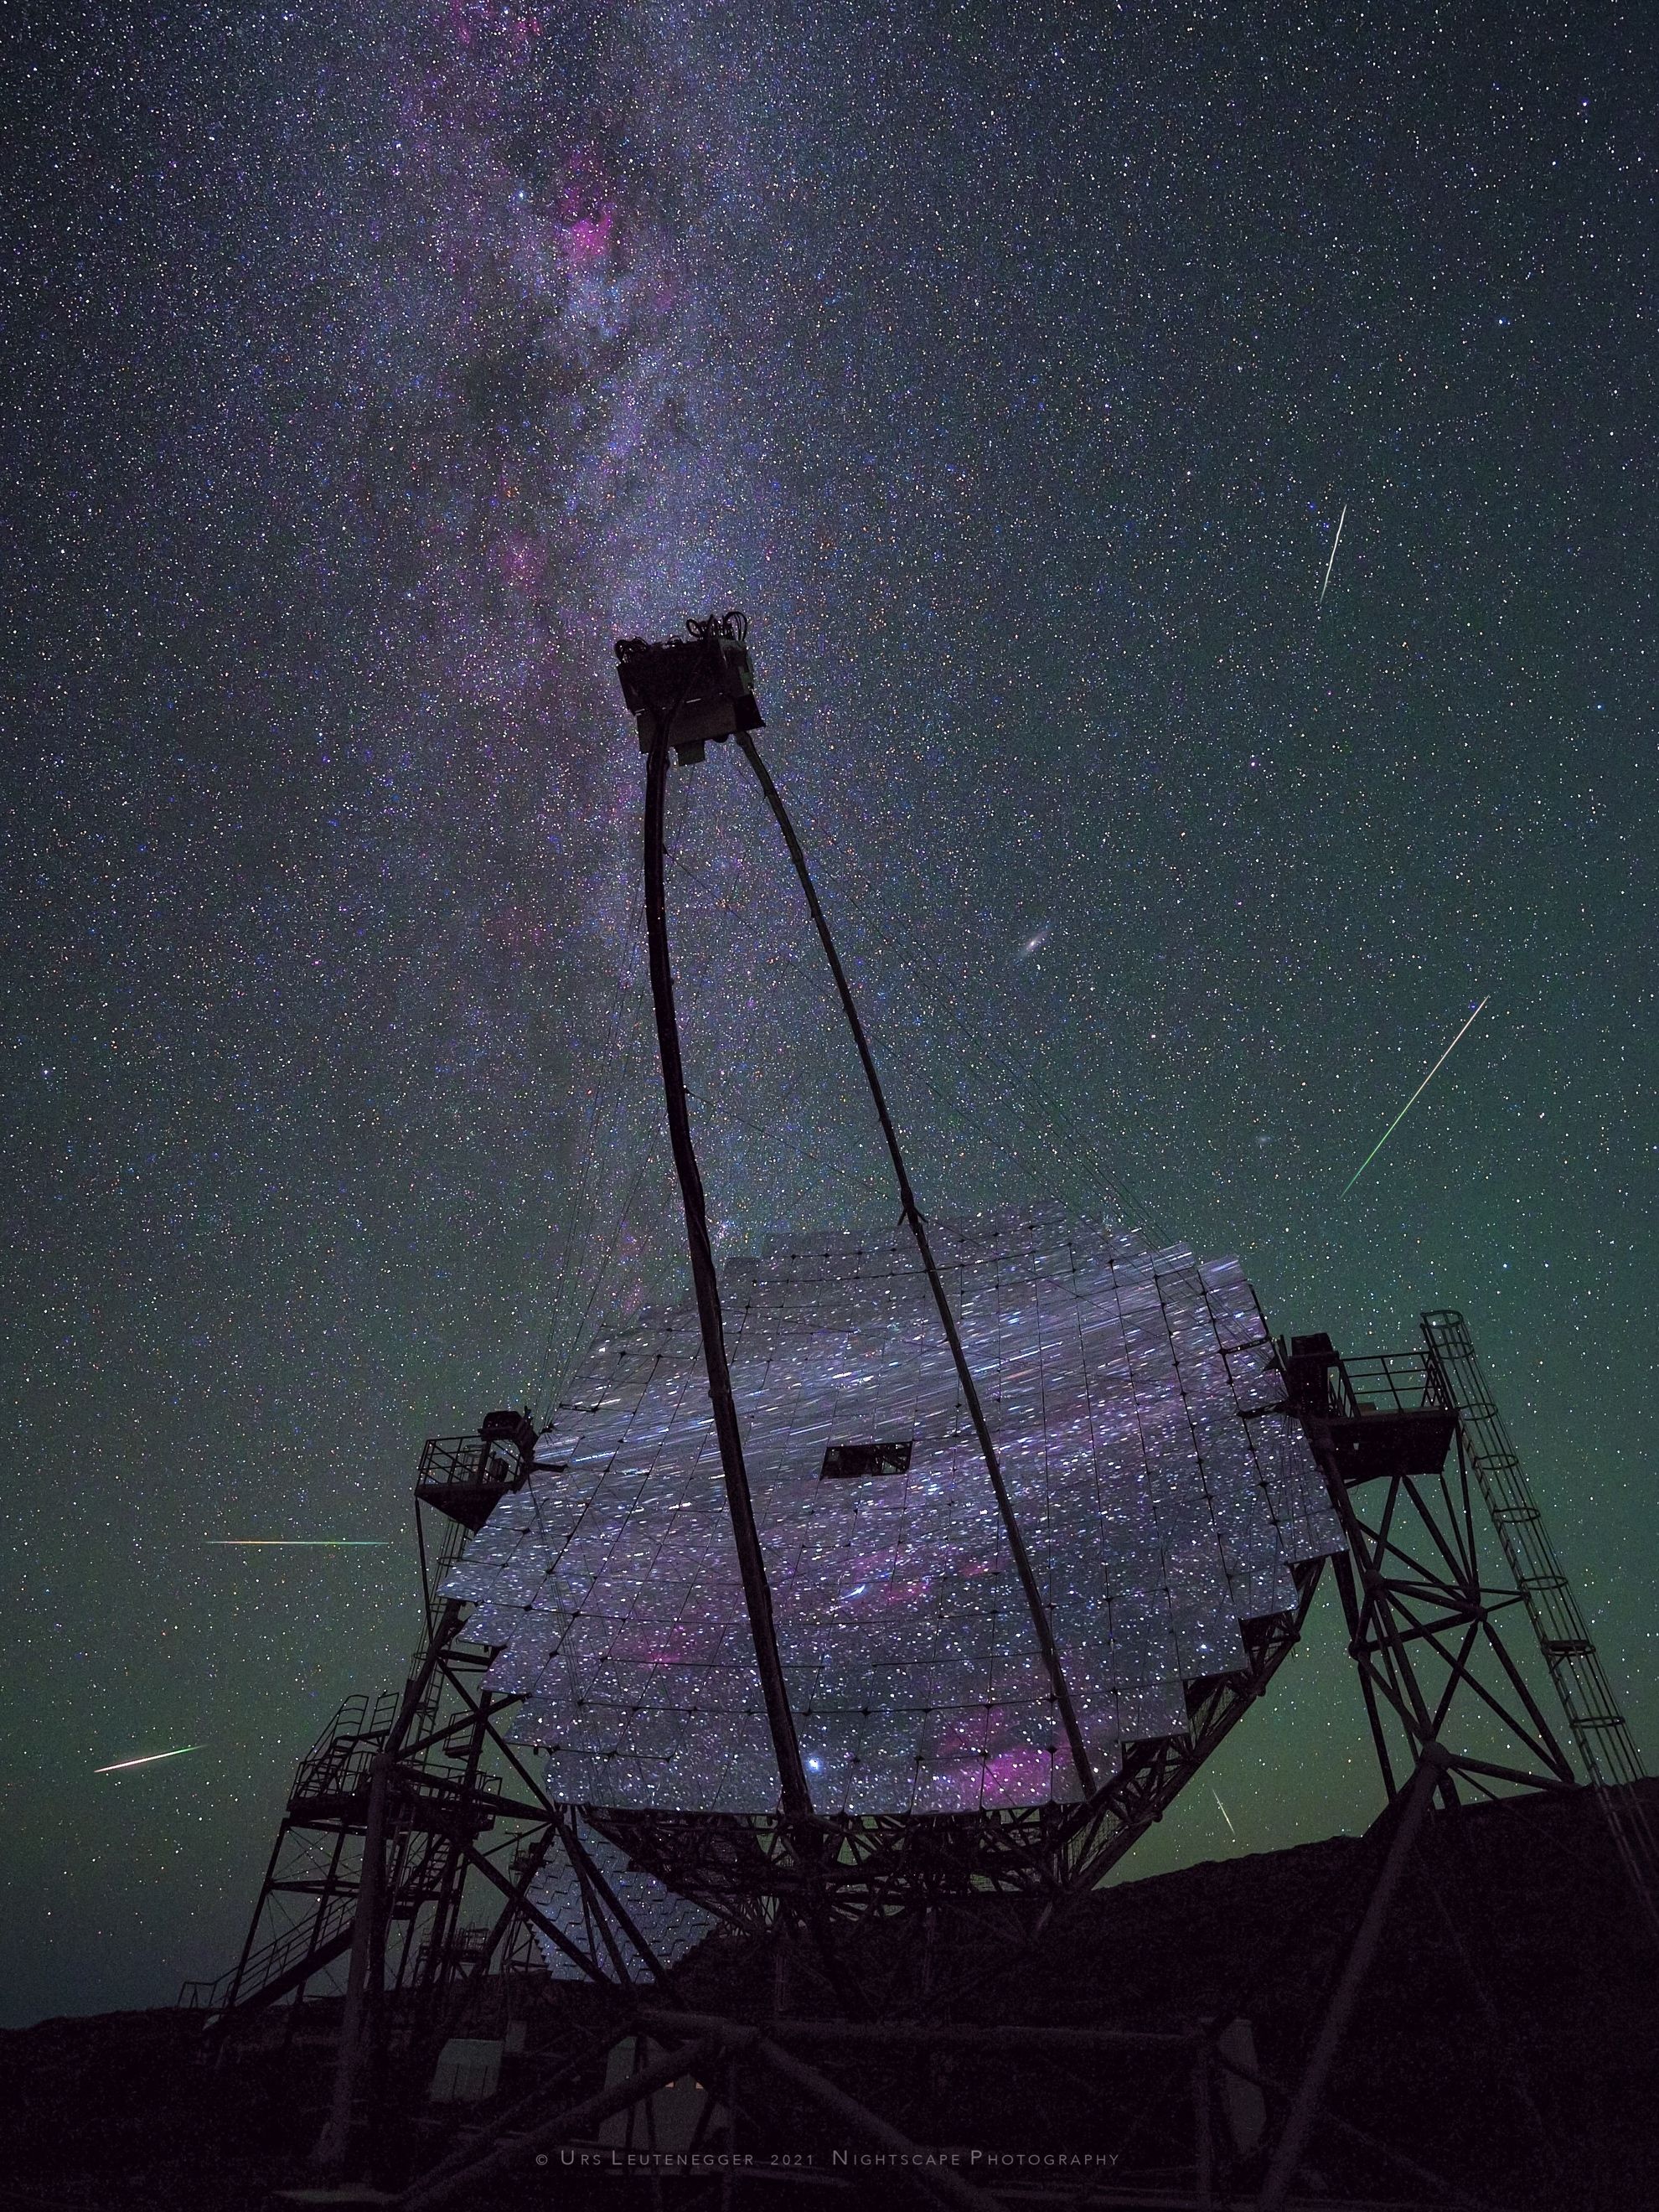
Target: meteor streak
<point x="1412" y="1101"/>
<point x="148" y="1760"/>
<point x="1331" y="563"/>
<point x="1222" y="1809"/>
<point x="303" y="1543"/>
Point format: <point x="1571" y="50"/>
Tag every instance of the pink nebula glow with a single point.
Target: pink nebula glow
<point x="588" y="239"/>
<point x="1018" y="1776"/>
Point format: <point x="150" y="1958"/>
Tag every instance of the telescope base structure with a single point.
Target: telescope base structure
<point x="751" y="1871"/>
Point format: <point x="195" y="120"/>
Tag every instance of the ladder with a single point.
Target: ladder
<point x="1605" y="1747"/>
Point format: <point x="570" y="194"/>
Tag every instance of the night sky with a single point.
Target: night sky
<point x="369" y="370"/>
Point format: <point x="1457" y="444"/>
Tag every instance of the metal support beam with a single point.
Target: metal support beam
<point x="363" y="1990"/>
<point x="519" y="1894"/>
<point x="751" y="1564"/>
<point x="1343" y="1565"/>
<point x="1408" y="1814"/>
<point x="1445" y="2190"/>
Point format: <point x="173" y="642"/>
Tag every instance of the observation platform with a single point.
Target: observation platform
<point x="465" y="1477"/>
<point x="332" y="1782"/>
<point x="1371" y="1420"/>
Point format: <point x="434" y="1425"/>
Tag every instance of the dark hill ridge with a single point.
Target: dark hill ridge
<point x="1508" y="2036"/>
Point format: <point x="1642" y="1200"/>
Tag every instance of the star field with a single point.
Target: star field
<point x="371" y="371"/>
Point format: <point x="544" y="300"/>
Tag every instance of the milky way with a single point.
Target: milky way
<point x="372" y="371"/>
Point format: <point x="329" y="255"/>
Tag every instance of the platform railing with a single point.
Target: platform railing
<point x="285" y="1950"/>
<point x="467" y="1461"/>
<point x="1387" y="1383"/>
<point x="337" y="1764"/>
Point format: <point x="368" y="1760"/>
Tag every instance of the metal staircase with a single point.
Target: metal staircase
<point x="381" y="1869"/>
<point x="284" y="1963"/>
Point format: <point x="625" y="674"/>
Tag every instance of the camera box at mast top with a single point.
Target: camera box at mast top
<point x="696" y="687"/>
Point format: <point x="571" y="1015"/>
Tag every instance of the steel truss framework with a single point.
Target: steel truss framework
<point x="1417" y="1462"/>
<point x="406" y="1781"/>
<point x="1422" y="1619"/>
<point x="403" y="1796"/>
<point x="1194" y="2119"/>
<point x="413" y="1837"/>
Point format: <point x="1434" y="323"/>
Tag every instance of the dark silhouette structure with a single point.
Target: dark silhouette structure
<point x="902" y="1928"/>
